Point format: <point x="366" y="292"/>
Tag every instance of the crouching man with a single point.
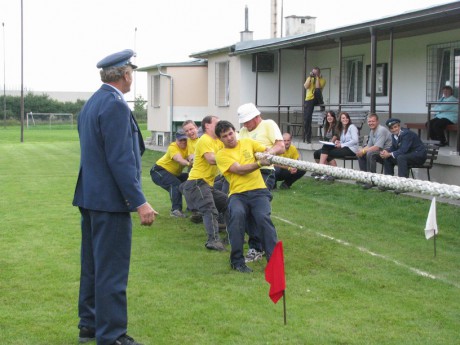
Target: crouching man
<point x="249" y="197"/>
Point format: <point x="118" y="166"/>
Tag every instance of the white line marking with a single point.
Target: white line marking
<point x="367" y="251"/>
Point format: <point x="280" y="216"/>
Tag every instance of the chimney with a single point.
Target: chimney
<point x="296" y="25"/>
<point x="274" y="19"/>
<point x="246" y="35"/>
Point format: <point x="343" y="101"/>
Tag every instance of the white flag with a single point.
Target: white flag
<point x="431" y="227"/>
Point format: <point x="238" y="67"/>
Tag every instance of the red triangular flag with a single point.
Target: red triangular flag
<point x="274" y="273"/>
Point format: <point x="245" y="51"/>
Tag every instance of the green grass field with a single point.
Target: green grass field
<point x="358" y="267"/>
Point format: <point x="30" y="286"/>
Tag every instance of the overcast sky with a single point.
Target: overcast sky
<point x="64" y="39"/>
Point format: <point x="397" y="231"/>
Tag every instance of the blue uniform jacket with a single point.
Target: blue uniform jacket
<point x="407" y="142"/>
<point x="111" y="147"/>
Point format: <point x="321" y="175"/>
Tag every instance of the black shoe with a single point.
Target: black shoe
<point x="284" y="186"/>
<point x="215" y="245"/>
<point x="242" y="268"/>
<point x="126" y="340"/>
<point x="86" y="335"/>
<point x="196" y="218"/>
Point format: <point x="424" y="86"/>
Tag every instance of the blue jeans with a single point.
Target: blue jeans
<point x="254" y="240"/>
<point x="252" y="205"/>
<point x="286" y="176"/>
<point x="169" y="183"/>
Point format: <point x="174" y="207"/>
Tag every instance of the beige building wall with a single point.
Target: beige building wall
<point x="186" y="100"/>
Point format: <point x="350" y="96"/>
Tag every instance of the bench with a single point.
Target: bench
<point x="353" y="158"/>
<point x="432" y="155"/>
<point x="420" y="126"/>
<point x="318" y="119"/>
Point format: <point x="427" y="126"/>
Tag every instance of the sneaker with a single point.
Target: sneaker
<point x="86" y="335"/>
<point x="126" y="340"/>
<point x="253" y="255"/>
<point x="328" y="178"/>
<point x="242" y="268"/>
<point x="215" y="245"/>
<point x="177" y="214"/>
<point x="284" y="186"/>
<point x="196" y="217"/>
<point x="314" y="174"/>
<point x="319" y="177"/>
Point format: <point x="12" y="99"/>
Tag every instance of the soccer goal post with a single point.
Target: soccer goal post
<point x="51" y="120"/>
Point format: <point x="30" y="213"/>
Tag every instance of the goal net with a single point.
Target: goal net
<point x="49" y="120"/>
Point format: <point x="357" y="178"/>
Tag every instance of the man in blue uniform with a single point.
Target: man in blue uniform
<point x="107" y="190"/>
<point x="406" y="149"/>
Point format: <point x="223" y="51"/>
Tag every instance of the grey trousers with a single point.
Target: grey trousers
<point x="369" y="161"/>
<point x="201" y="197"/>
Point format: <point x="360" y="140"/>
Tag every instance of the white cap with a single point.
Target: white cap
<point x="247" y="112"/>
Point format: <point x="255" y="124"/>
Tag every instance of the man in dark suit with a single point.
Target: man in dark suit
<point x="107" y="190"/>
<point x="406" y="149"/>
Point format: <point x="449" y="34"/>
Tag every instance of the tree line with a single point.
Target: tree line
<point x="10" y="107"/>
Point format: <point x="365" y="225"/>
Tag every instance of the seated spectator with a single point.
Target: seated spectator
<point x="167" y="172"/>
<point x="346" y="146"/>
<point x="249" y="197"/>
<point x="379" y="139"/>
<point x="288" y="174"/>
<point x="331" y="134"/>
<point x="406" y="149"/>
<point x="447" y="114"/>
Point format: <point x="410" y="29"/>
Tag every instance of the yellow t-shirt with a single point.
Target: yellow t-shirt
<point x="243" y="153"/>
<point x="291" y="153"/>
<point x="311" y="90"/>
<point x="168" y="163"/>
<point x="201" y="168"/>
<point x="266" y="133"/>
<point x="191" y="144"/>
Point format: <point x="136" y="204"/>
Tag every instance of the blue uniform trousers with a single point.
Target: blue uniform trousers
<point x="255" y="206"/>
<point x="105" y="257"/>
<point x="403" y="161"/>
<point x="169" y="183"/>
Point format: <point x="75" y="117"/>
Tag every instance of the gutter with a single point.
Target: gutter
<point x="171" y="111"/>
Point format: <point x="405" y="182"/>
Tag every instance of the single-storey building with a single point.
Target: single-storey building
<point x="394" y="66"/>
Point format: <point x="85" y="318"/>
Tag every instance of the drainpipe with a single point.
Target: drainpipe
<point x="171" y="113"/>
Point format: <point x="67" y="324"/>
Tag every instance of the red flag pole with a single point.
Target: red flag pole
<point x="284" y="306"/>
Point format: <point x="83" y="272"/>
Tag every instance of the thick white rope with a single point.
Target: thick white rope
<point x="391" y="182"/>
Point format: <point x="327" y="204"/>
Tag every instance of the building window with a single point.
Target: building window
<point x="155" y="91"/>
<point x="352" y="79"/>
<point x="222" y="84"/>
<point x="443" y="62"/>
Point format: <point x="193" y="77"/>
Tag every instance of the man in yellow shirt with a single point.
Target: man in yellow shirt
<point x="199" y="190"/>
<point x="314" y="86"/>
<point x="268" y="134"/>
<point x="249" y="197"/>
<point x="287" y="174"/>
<point x="167" y="172"/>
<point x="191" y="131"/>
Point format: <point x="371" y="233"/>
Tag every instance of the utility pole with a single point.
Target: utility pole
<point x="4" y="77"/>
